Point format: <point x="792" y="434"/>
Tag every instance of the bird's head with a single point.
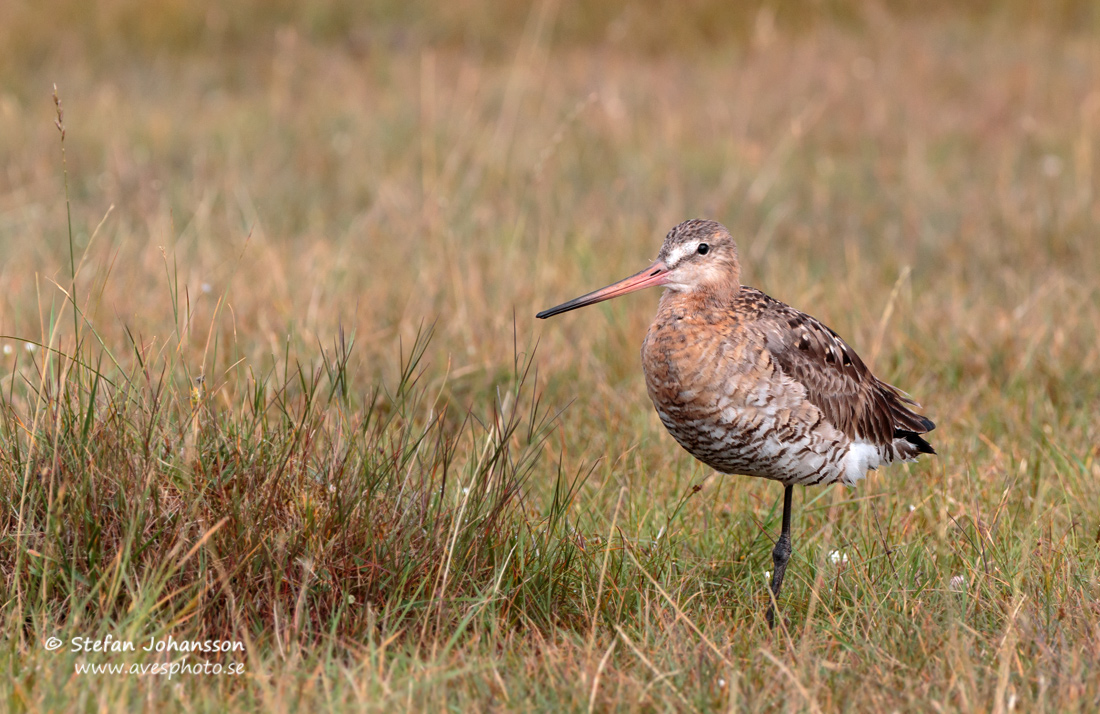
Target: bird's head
<point x="697" y="257"/>
<point x="700" y="256"/>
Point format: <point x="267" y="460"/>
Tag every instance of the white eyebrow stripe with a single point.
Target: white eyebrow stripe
<point x="677" y="254"/>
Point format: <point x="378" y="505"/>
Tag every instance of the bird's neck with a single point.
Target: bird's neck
<point x="700" y="299"/>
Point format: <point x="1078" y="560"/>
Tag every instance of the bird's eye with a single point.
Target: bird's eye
<point x="703" y="249"/>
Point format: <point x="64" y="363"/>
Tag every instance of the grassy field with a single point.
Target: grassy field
<point x="271" y="373"/>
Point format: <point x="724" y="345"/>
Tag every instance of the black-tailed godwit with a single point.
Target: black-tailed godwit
<point x="751" y="386"/>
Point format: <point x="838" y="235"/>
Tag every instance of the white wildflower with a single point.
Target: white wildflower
<point x="7" y="349"/>
<point x="30" y="346"/>
<point x="957" y="584"/>
<point x="838" y="558"/>
<point x="1052" y="166"/>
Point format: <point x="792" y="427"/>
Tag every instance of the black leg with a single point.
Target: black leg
<point x="781" y="554"/>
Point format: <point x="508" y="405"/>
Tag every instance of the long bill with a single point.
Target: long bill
<point x="656" y="274"/>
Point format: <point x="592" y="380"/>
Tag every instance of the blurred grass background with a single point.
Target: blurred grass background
<point x="266" y="176"/>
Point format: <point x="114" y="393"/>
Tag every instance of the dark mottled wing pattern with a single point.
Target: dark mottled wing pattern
<point x="837" y="381"/>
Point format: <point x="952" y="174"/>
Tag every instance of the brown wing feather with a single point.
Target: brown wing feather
<point x="836" y="380"/>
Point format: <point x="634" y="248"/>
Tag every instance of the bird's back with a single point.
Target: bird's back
<point x="754" y="387"/>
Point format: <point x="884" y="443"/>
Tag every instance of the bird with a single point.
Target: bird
<point x="749" y="385"/>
